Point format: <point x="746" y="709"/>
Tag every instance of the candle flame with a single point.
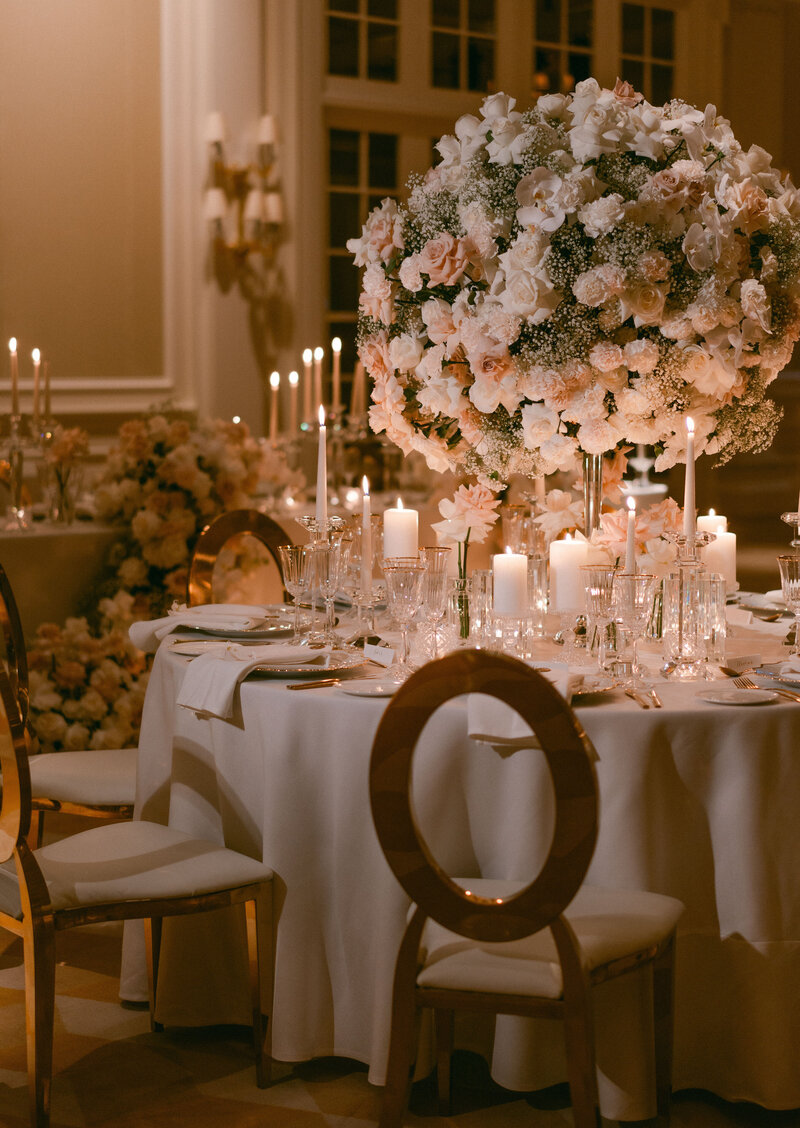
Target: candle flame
<point x="568" y="537"/>
<point x="399" y="503"/>
<point x="336" y="344"/>
<point x="12" y="345"/>
<point x="318" y="353"/>
<point x="236" y="419"/>
<point x="632" y="504"/>
<point x="712" y="512"/>
<point x="321" y="416"/>
<point x="274" y="379"/>
<point x="36" y="356"/>
<point x="294" y="378"/>
<point x="307" y="355"/>
<point x="690" y="424"/>
<point x="365" y="485"/>
<point x="508" y="550"/>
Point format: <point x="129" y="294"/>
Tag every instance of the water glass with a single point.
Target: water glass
<point x="790" y="585"/>
<point x="295" y="560"/>
<point x="632" y="602"/>
<point x="716" y="595"/>
<point x="598" y="586"/>
<point x="403" y="596"/>
<point x="434" y="594"/>
<point x="512" y="518"/>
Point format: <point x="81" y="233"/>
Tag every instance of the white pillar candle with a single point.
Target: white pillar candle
<point x="630" y="547"/>
<point x="274" y="383"/>
<point x="688" y="491"/>
<point x="307" y="382"/>
<point x="366" y="538"/>
<point x="710" y="522"/>
<point x="318" y="355"/>
<point x="36" y="356"/>
<point x="13" y="362"/>
<point x="720" y="556"/>
<point x="322" y="476"/>
<point x="294" y="380"/>
<point x="400" y="532"/>
<point x="510" y="584"/>
<point x="336" y="394"/>
<point x="566" y="578"/>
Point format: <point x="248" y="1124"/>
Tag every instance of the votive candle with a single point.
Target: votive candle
<point x="400" y="532"/>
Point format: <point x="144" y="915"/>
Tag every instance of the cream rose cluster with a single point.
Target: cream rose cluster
<point x="576" y="278"/>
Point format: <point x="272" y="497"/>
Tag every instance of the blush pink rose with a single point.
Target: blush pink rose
<point x="444" y="259"/>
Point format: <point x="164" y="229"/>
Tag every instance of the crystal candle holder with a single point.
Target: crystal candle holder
<point x="320" y="531"/>
<point x="793" y="519"/>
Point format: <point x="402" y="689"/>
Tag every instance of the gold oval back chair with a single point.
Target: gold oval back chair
<point x="534" y="949"/>
<point x="214" y="537"/>
<point x="93" y="784"/>
<point x="117" y="871"/>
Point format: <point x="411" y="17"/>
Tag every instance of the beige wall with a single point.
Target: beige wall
<point x="80" y="185"/>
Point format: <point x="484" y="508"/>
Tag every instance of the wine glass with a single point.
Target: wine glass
<point x="434" y="594"/>
<point x="329" y="563"/>
<point x="790" y="585"/>
<point x="295" y="560"/>
<point x="598" y="586"/>
<point x="633" y="599"/>
<point x="403" y="595"/>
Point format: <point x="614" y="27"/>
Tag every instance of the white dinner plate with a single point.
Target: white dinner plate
<point x="738" y="696"/>
<point x="324" y="665"/>
<point x="369" y="688"/>
<point x="595" y="683"/>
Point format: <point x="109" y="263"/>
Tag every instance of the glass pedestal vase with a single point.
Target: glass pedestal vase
<point x="592" y="492"/>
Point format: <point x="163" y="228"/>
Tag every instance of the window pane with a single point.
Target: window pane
<point x="446" y="13"/>
<point x="580" y="67"/>
<point x="343" y="218"/>
<point x="343" y="47"/>
<point x="343" y="283"/>
<point x="633" y="72"/>
<point x="480" y="64"/>
<point x="382" y="52"/>
<point x="580" y="23"/>
<point x="663" y="28"/>
<point x="661" y="82"/>
<point x="632" y="29"/>
<point x="382" y="160"/>
<point x="481" y="16"/>
<point x="445" y="60"/>
<point x="546" y="71"/>
<point x="548" y="20"/>
<point x="383" y="9"/>
<point x="343" y="5"/>
<point x="344" y="156"/>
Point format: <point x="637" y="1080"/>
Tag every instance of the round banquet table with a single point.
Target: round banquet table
<point x="698" y="801"/>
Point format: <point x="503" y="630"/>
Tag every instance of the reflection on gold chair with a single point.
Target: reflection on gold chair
<point x="94" y="784"/>
<point x="533" y="949"/>
<point x="119" y="871"/>
<point x="214" y="537"/>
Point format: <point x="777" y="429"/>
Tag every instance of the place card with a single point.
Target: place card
<point x="383" y="655"/>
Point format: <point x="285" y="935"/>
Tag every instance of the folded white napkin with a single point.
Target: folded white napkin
<point x="493" y="722"/>
<point x="741" y="617"/>
<point x="147" y="634"/>
<point x="791" y="665"/>
<point x="209" y="687"/>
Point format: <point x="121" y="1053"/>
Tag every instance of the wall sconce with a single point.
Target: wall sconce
<point x="246" y="190"/>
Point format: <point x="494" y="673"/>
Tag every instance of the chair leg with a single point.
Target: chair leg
<point x="263" y="1058"/>
<point x="663" y="1013"/>
<point x="36" y="830"/>
<point x="40" y="989"/>
<point x="578" y="1028"/>
<point x="152" y="937"/>
<point x="443" y="1021"/>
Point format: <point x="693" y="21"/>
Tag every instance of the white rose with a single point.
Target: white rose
<point x="755" y="303"/>
<point x="539" y="423"/>
<point x="529" y="295"/>
<point x="409" y="274"/>
<point x="641" y="355"/>
<point x="405" y="352"/>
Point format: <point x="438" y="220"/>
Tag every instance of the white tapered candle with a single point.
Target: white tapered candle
<point x="322" y="476"/>
<point x="630" y="547"/>
<point x="688" y="491"/>
<point x="366" y="538"/>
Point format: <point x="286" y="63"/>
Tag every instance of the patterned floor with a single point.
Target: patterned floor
<point x="109" y="1069"/>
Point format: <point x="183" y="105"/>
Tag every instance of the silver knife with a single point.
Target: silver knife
<point x="637" y="697"/>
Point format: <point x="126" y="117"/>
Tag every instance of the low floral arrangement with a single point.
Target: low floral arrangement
<point x="164" y="480"/>
<point x="62" y="452"/>
<point x="576" y="278"/>
<point x="469" y="516"/>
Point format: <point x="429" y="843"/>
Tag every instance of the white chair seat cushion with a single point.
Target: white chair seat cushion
<point x="609" y="923"/>
<point x="104" y="779"/>
<point x="130" y="861"/>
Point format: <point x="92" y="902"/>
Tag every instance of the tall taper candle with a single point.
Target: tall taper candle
<point x="358" y="397"/>
<point x="12" y="350"/>
<point x="322" y="477"/>
<point x="307" y="400"/>
<point x="36" y="356"/>
<point x="688" y="491"/>
<point x="294" y="380"/>
<point x="366" y="539"/>
<point x="46" y="380"/>
<point x="318" y="355"/>
<point x="336" y="392"/>
<point x="274" y="383"/>
<point x="630" y="547"/>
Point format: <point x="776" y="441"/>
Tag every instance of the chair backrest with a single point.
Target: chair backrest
<point x="237" y="522"/>
<point x="569" y="756"/>
<point x="15" y="797"/>
<point x="14" y="639"/>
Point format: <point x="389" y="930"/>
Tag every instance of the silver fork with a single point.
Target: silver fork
<point x="748" y="683"/>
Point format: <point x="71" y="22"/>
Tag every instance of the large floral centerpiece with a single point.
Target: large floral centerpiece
<point x="576" y="278"/>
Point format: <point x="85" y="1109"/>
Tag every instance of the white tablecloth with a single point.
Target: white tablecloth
<point x="698" y="801"/>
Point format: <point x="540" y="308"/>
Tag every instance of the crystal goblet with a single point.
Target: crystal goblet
<point x="598" y="587"/>
<point x="295" y="561"/>
<point x="434" y="594"/>
<point x="403" y="595"/>
<point x="633" y="599"/>
<point x="790" y="585"/>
